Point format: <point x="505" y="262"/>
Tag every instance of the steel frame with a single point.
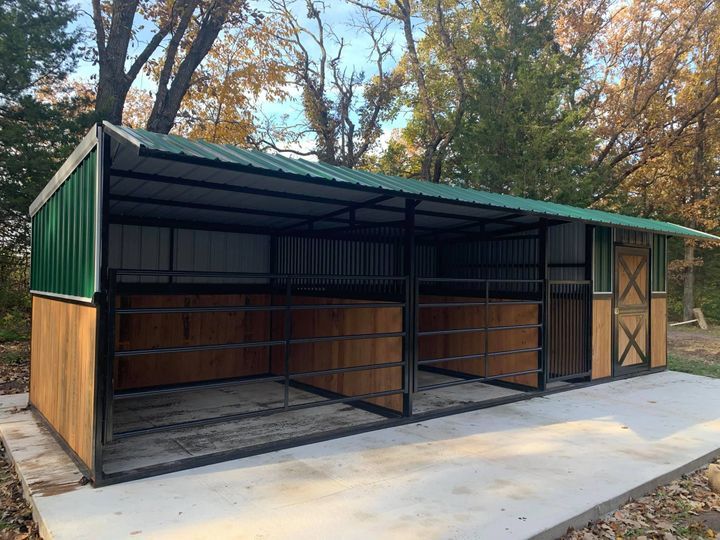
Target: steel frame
<point x="466" y="227"/>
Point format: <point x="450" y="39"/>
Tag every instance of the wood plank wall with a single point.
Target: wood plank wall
<point x="62" y="370"/>
<point x="445" y="318"/>
<point x="135" y="331"/>
<point x="602" y="337"/>
<point x="164" y="330"/>
<point x="658" y="331"/>
<point x="345" y="353"/>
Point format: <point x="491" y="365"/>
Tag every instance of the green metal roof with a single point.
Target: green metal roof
<point x="173" y="146"/>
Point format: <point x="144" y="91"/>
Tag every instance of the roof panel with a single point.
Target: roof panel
<point x="173" y="146"/>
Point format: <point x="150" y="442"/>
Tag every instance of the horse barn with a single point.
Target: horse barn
<point x="195" y="302"/>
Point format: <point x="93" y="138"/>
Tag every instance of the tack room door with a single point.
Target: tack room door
<point x="632" y="309"/>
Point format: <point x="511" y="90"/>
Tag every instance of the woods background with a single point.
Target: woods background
<point x="609" y="104"/>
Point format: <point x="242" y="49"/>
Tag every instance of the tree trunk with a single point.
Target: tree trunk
<point x="689" y="281"/>
<point x="111" y="95"/>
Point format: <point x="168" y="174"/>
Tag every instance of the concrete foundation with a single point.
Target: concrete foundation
<point x="525" y="469"/>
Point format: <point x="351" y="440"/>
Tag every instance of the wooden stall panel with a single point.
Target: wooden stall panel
<point x="62" y="374"/>
<point x="445" y="318"/>
<point x="602" y="337"/>
<point x="140" y="331"/>
<point x="344" y="353"/>
<point x="658" y="333"/>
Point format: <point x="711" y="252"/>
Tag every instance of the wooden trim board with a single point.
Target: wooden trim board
<point x="62" y="370"/>
<point x="658" y="331"/>
<point x="602" y="337"/>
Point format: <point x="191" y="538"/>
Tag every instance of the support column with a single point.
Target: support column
<point x="545" y="295"/>
<point x="410" y="312"/>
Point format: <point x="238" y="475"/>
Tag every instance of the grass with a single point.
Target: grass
<point x="694" y="366"/>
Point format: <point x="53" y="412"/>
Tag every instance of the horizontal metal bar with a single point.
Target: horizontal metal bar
<point x="274" y="307"/>
<point x="366" y="367"/>
<point x="250" y="414"/>
<point x="241" y="275"/>
<point x="479" y="355"/>
<point x="572" y="376"/>
<point x="480" y="329"/>
<point x="477" y="379"/>
<point x="350" y="337"/>
<point x="473" y="280"/>
<point x="193" y="348"/>
<point x="569" y="282"/>
<point x="132" y="394"/>
<point x="469" y="304"/>
<point x="251" y="344"/>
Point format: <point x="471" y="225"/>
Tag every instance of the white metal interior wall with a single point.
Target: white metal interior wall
<point x="149" y="248"/>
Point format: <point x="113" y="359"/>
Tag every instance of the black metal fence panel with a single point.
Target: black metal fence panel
<point x="569" y="313"/>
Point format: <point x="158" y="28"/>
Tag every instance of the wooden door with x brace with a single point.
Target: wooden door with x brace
<point x="632" y="310"/>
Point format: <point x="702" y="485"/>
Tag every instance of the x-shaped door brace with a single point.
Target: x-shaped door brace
<point x="632" y="339"/>
<point x="632" y="276"/>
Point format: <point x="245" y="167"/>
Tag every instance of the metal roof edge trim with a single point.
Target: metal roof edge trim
<point x="610" y="219"/>
<point x="88" y="142"/>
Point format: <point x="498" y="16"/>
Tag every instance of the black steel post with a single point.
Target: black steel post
<point x="544" y="342"/>
<point x="410" y="312"/>
<point x="288" y="340"/>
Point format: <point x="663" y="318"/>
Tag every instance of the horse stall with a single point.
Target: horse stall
<point x="195" y="302"/>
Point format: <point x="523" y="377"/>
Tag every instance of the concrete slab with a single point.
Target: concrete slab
<point x="515" y="471"/>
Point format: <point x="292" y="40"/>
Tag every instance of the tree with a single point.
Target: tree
<point x="343" y="109"/>
<point x="36" y="45"/>
<point x="682" y="183"/>
<point x="192" y="27"/>
<point x="244" y="67"/>
<point x="635" y="66"/>
<point x="436" y="67"/>
<point x="37" y="49"/>
<point x="522" y="131"/>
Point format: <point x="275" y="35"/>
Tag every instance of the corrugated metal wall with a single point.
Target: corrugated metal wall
<point x="602" y="259"/>
<point x="299" y="255"/>
<point x="63" y="236"/>
<point x="659" y="263"/>
<point x="566" y="252"/>
<point x="506" y="258"/>
<point x="159" y="248"/>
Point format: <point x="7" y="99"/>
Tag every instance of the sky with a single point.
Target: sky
<point x="338" y="16"/>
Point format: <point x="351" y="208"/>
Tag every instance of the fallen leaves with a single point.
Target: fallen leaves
<point x="16" y="520"/>
<point x="14" y="367"/>
<point x="685" y="508"/>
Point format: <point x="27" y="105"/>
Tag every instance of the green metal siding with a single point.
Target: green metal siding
<point x="659" y="263"/>
<point x="176" y="147"/>
<point x="63" y="236"/>
<point x="602" y="259"/>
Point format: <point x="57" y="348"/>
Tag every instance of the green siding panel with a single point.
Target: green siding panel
<point x="602" y="259"/>
<point x="659" y="263"/>
<point x="63" y="236"/>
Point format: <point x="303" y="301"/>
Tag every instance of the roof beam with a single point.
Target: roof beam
<point x="202" y="184"/>
<point x="355" y="206"/>
<point x="215" y="208"/>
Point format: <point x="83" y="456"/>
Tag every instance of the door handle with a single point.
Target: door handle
<point x="617" y="311"/>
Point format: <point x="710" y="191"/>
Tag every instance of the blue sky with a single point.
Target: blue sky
<point x="338" y="17"/>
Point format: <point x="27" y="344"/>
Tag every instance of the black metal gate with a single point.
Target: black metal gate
<point x="569" y="317"/>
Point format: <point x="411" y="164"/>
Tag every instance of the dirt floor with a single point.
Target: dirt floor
<point x="690" y="341"/>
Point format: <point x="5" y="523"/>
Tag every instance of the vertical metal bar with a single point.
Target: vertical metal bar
<point x="411" y="309"/>
<point x="543" y="314"/>
<point x="288" y="337"/>
<point x="103" y="378"/>
<point x="110" y="358"/>
<point x="486" y="337"/>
